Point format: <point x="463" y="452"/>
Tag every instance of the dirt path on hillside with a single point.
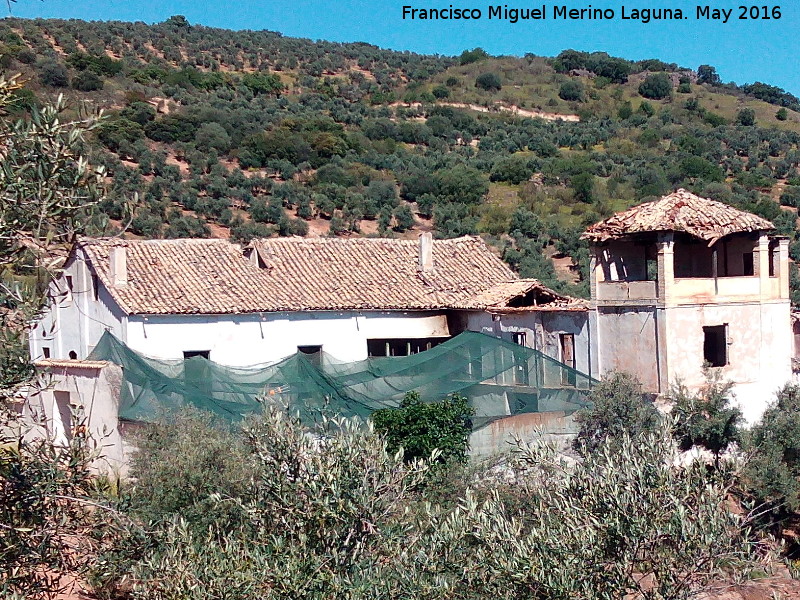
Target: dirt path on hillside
<point x="497" y="107"/>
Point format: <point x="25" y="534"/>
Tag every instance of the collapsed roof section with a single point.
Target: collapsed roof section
<point x="523" y="295"/>
<point x="683" y="211"/>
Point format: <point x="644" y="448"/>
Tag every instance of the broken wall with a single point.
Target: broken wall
<point x="92" y="392"/>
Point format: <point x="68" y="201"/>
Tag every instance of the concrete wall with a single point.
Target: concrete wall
<point x="627" y="341"/>
<point x="94" y="392"/>
<point x="500" y="435"/>
<point x="242" y="340"/>
<point x="74" y="320"/>
<point x="759" y="349"/>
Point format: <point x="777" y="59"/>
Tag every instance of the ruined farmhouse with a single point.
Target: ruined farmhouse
<point x="679" y="287"/>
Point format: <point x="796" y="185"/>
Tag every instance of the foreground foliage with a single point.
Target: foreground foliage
<point x="42" y="513"/>
<point x="47" y="191"/>
<point x="772" y="473"/>
<point x="708" y="418"/>
<point x="331" y="513"/>
<point x="619" y="408"/>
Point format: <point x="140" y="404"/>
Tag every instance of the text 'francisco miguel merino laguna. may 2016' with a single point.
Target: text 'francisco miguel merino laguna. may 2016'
<point x="562" y="12"/>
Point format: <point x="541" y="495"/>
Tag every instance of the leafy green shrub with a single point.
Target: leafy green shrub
<point x="183" y="465"/>
<point x="772" y="474"/>
<point x="116" y="132"/>
<point x="440" y="92"/>
<point x="619" y="408"/>
<point x="746" y="116"/>
<point x="707" y="418"/>
<point x="102" y="65"/>
<point x="571" y="91"/>
<point x="53" y="73"/>
<point x="791" y="196"/>
<point x="263" y="83"/>
<point x="325" y="518"/>
<point x="87" y="81"/>
<point x="419" y="428"/>
<point x="489" y="82"/>
<point x="403" y="218"/>
<point x="42" y="514"/>
<point x="461" y="184"/>
<point x="582" y="185"/>
<point x="656" y="86"/>
<point x="593" y="529"/>
<point x="513" y="169"/>
<point x="782" y="114"/>
<point x="471" y="56"/>
<point x="714" y="119"/>
<point x="212" y="135"/>
<point x="646" y="109"/>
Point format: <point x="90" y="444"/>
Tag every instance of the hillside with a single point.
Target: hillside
<point x="243" y="134"/>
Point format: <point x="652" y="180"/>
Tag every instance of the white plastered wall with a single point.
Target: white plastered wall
<point x="74" y="320"/>
<point x="242" y="340"/>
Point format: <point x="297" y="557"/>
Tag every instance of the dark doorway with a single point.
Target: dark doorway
<point x="568" y="358"/>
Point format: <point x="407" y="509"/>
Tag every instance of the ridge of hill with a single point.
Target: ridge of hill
<point x="250" y="133"/>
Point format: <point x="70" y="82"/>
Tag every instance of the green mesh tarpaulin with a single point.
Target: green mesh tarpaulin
<point x="499" y="378"/>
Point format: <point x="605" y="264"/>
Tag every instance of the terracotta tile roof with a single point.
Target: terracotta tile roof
<point x="213" y="277"/>
<point x="181" y="276"/>
<point x="336" y="273"/>
<point x="680" y="211"/>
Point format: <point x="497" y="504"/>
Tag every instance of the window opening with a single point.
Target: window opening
<point x="46" y="351"/>
<point x="196" y="372"/>
<point x="521" y="370"/>
<point x="715" y="345"/>
<point x="62" y="423"/>
<point x="312" y="353"/>
<point x="68" y="291"/>
<point x="400" y="346"/>
<point x="773" y="258"/>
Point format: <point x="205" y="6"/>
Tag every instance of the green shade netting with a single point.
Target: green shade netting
<point x="499" y="378"/>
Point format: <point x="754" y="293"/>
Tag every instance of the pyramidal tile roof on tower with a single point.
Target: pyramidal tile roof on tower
<point x="706" y="219"/>
<point x="190" y="276"/>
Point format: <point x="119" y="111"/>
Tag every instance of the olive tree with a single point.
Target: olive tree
<point x="47" y="191"/>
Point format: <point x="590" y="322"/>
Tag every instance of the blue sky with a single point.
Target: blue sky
<point x="742" y="50"/>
